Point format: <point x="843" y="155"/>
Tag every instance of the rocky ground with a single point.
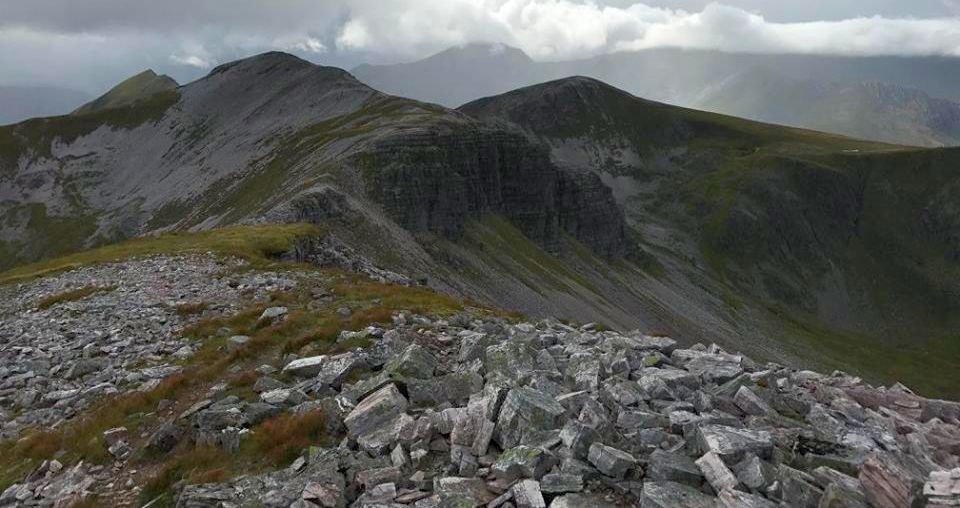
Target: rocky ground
<point x="456" y="410"/>
<point x="123" y="335"/>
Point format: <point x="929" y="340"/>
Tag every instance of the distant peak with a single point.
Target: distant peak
<point x="482" y="50"/>
<point x="131" y="90"/>
<point x="264" y="61"/>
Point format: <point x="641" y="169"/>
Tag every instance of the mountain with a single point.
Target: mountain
<point x="275" y="137"/>
<point x="18" y="103"/>
<point x="838" y="244"/>
<point x="136" y="88"/>
<point x="455" y="76"/>
<point x="867" y="110"/>
<point x="570" y="198"/>
<point x="917" y="105"/>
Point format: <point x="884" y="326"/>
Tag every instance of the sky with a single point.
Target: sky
<point x="92" y="44"/>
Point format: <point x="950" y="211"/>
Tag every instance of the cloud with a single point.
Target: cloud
<point x="97" y="42"/>
<point x="560" y="29"/>
<point x="191" y="61"/>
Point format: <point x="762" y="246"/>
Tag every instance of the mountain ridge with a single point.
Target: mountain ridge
<point x="589" y="203"/>
<point x="688" y="78"/>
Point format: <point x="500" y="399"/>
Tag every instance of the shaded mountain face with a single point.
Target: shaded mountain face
<point x="570" y="198"/>
<point x="888" y="99"/>
<point x="18" y="103"/>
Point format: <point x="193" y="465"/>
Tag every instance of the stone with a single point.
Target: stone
<point x="750" y="403"/>
<point x="521" y="462"/>
<point x="525" y="412"/>
<point x="526" y="494"/>
<point x="413" y="362"/>
<point x="376" y="410"/>
<point x="115" y="435"/>
<point x="633" y="420"/>
<point x="836" y="495"/>
<point x="266" y="384"/>
<point x="714" y="368"/>
<point x="481" y="440"/>
<point x="378" y="440"/>
<point x="730" y="498"/>
<point x="454" y="388"/>
<point x="305" y="367"/>
<point x="733" y="443"/>
<point x="164" y="439"/>
<point x="578" y="438"/>
<point x="561" y="483"/>
<point x="327" y="492"/>
<point x="283" y="397"/>
<point x="673" y="467"/>
<point x="335" y="368"/>
<point x="373" y="477"/>
<point x="753" y="472"/>
<point x="610" y="461"/>
<point x="273" y="313"/>
<point x="473" y="488"/>
<point x="798" y="488"/>
<point x="581" y="501"/>
<point x="259" y="412"/>
<point x="217" y="419"/>
<point x="887" y="484"/>
<point x="943" y="487"/>
<point x="717" y="473"/>
<point x="510" y="361"/>
<point x="662" y="494"/>
<point x="236" y="343"/>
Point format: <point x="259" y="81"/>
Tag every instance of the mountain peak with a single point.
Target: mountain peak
<point x="483" y="51"/>
<point x="574" y="93"/>
<point x="268" y="60"/>
<point x="129" y="91"/>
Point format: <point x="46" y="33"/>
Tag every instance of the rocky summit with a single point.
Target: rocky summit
<point x="203" y="380"/>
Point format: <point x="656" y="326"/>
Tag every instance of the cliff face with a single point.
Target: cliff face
<point x="437" y="179"/>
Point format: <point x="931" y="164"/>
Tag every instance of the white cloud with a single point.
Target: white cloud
<point x="559" y="29"/>
<point x="97" y="42"/>
<point x="191" y="61"/>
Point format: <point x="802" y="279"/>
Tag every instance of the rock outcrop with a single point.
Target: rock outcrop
<point x="437" y="179"/>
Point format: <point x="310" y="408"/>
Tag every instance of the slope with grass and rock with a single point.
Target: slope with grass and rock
<point x="251" y="370"/>
<point x="839" y="249"/>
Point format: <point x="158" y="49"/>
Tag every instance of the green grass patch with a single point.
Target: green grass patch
<point x="71" y="296"/>
<point x="34" y="138"/>
<point x="927" y="366"/>
<point x="191" y="309"/>
<point x="255" y="244"/>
